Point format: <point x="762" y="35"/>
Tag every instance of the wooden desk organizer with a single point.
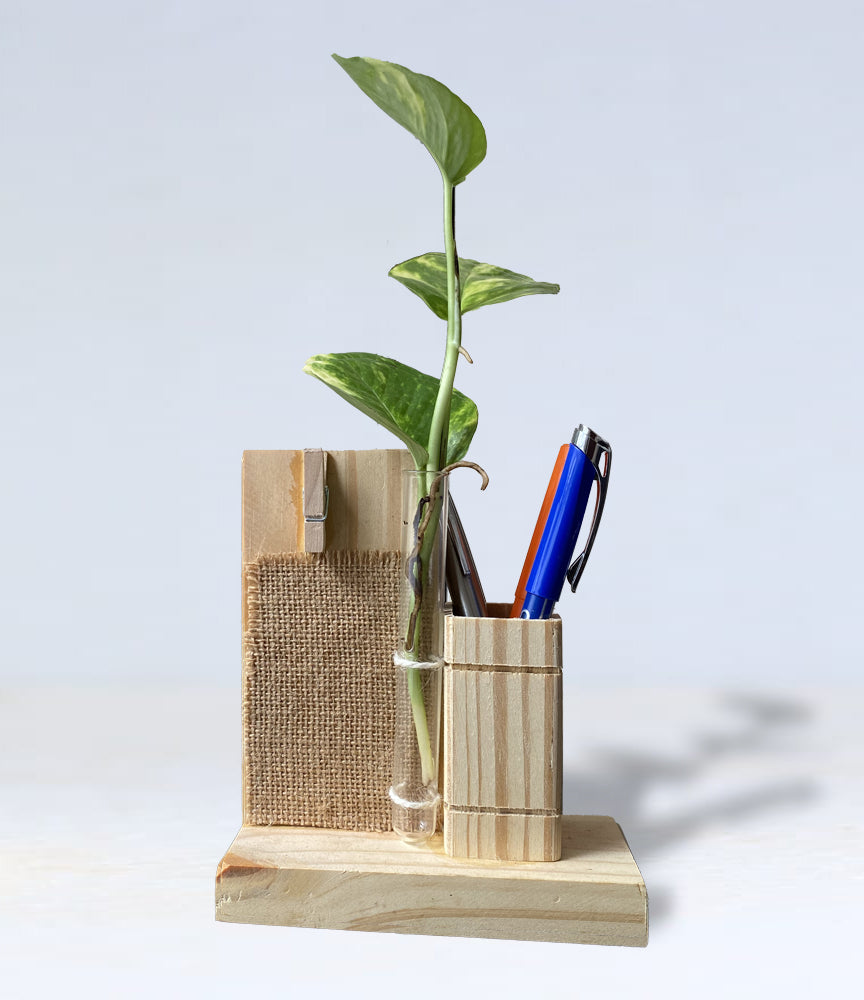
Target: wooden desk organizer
<point x="315" y="848"/>
<point x="502" y="737"/>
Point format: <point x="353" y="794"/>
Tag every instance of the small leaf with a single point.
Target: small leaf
<point x="397" y="397"/>
<point x="486" y="284"/>
<point x="481" y="284"/>
<point x="426" y="276"/>
<point x="445" y="125"/>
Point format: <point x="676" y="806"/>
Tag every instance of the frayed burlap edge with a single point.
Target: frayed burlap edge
<point x="318" y="689"/>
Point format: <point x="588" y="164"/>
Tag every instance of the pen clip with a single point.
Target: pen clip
<point x="599" y="448"/>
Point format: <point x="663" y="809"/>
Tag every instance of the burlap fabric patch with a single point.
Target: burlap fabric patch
<point x="318" y="698"/>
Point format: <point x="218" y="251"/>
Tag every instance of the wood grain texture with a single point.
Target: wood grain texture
<point x="272" y="486"/>
<point x="504" y="641"/>
<point x="493" y="834"/>
<point x="365" y="501"/>
<point x="372" y="882"/>
<point x="502" y="738"/>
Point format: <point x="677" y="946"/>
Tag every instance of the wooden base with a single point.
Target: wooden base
<point x="299" y="877"/>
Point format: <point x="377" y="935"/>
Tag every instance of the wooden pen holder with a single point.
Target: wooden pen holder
<point x="502" y="737"/>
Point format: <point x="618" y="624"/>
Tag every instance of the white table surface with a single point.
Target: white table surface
<point x="745" y="812"/>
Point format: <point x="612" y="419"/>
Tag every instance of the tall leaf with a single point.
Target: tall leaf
<point x="431" y="112"/>
<point x="397" y="397"/>
<point x="481" y="284"/>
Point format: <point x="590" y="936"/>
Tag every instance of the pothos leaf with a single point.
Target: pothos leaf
<point x="397" y="397"/>
<point x="481" y="284"/>
<point x="431" y="112"/>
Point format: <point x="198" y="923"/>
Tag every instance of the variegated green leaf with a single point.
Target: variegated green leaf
<point x="426" y="276"/>
<point x="397" y="397"/>
<point x="445" y="125"/>
<point x="481" y="284"/>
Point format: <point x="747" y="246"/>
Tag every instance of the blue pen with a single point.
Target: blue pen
<point x="549" y="567"/>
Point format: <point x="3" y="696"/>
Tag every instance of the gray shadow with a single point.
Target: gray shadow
<point x="618" y="782"/>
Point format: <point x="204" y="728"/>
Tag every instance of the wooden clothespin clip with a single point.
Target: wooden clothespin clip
<point x="316" y="498"/>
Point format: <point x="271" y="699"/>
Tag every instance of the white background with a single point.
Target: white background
<point x="194" y="198"/>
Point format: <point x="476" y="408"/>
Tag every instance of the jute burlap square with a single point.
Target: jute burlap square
<point x="318" y="689"/>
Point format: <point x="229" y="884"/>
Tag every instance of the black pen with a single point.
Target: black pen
<point x="463" y="583"/>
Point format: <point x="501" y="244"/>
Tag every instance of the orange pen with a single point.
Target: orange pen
<point x="519" y="599"/>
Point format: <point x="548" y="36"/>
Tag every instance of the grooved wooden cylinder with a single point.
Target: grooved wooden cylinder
<point x="502" y="737"/>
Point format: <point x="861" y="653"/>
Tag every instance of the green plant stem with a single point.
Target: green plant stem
<point x="437" y="448"/>
<point x="438" y="431"/>
<point x="415" y="639"/>
<point x="421" y="727"/>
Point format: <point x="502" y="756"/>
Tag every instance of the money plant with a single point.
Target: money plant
<point x="434" y="420"/>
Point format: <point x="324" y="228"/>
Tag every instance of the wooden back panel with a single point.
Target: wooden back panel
<point x="319" y="630"/>
<point x="365" y="501"/>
